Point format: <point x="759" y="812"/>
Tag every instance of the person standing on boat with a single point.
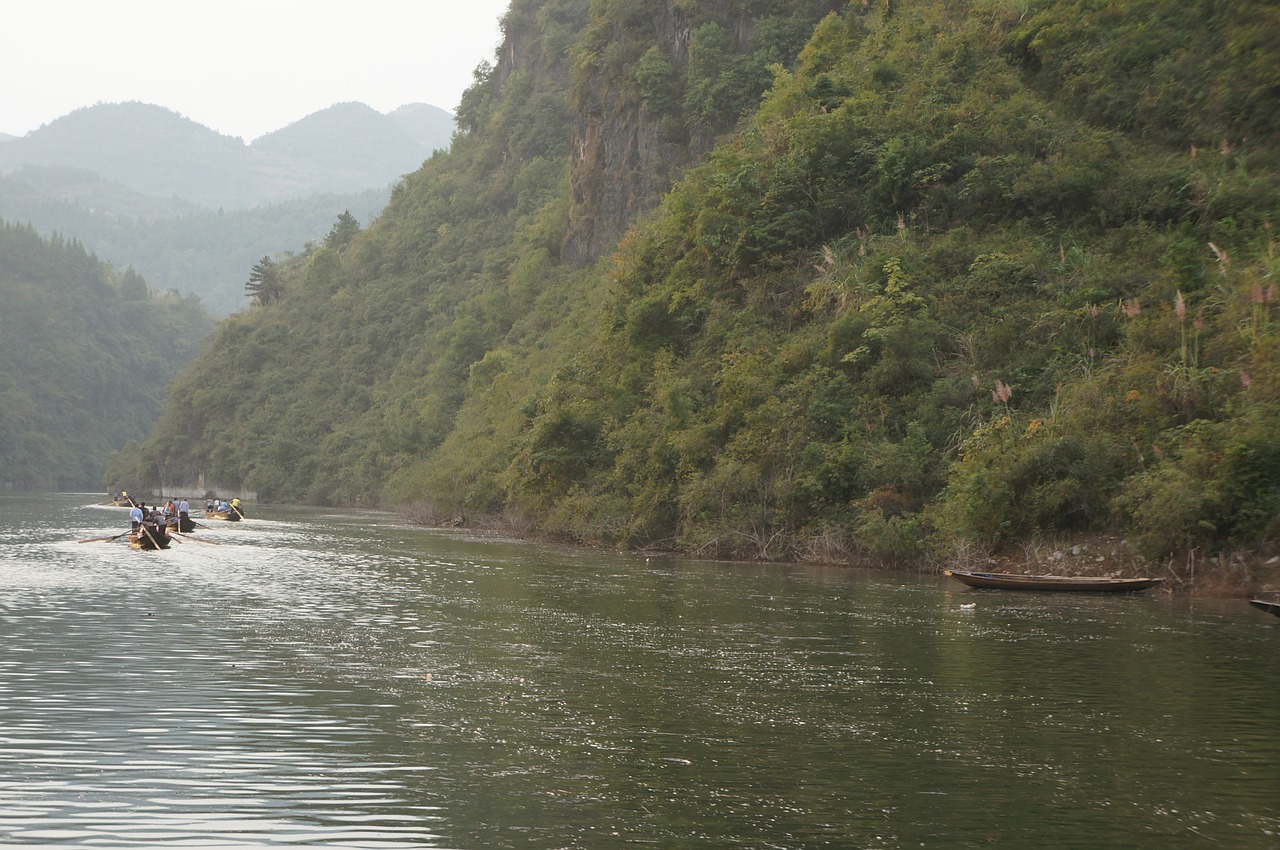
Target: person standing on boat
<point x="235" y="506"/>
<point x="135" y="517"/>
<point x="184" y="514"/>
<point x="153" y="524"/>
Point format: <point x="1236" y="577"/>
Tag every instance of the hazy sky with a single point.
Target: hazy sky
<point x="242" y="67"/>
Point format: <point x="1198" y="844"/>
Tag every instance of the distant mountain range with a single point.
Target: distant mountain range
<point x="191" y="209"/>
<point x="348" y="147"/>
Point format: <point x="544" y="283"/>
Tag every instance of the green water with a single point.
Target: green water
<point x="322" y="679"/>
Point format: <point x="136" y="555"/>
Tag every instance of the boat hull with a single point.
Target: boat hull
<point x="228" y="516"/>
<point x="1092" y="584"/>
<point x="154" y="540"/>
<point x="1264" y="605"/>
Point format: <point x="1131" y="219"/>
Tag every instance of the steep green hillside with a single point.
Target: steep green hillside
<point x="384" y="333"/>
<point x="971" y="273"/>
<point x="87" y="354"/>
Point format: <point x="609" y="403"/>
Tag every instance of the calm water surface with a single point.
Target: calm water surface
<point x="319" y="679"/>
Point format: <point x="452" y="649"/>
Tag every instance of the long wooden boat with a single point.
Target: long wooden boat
<point x="186" y="526"/>
<point x="154" y="540"/>
<point x="230" y="516"/>
<point x="1269" y="607"/>
<point x="1010" y="581"/>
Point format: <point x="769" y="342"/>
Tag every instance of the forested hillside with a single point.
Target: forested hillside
<point x="87" y="354"/>
<point x="173" y="244"/>
<point x="967" y="274"/>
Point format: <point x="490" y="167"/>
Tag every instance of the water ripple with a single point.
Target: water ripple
<point x="316" y="678"/>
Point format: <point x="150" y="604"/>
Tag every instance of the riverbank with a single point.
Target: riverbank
<point x="1235" y="575"/>
<point x="1238" y="575"/>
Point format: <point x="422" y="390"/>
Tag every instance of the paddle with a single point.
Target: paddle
<point x="196" y="539"/>
<point x="113" y="537"/>
<point x="150" y="536"/>
<point x="101" y="539"/>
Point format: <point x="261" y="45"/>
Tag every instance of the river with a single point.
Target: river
<point x="313" y="678"/>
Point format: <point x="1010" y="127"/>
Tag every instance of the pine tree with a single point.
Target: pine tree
<point x="132" y="285"/>
<point x="264" y="284"/>
<point x="343" y="230"/>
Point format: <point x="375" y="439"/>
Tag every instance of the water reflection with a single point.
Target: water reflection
<point x="142" y="701"/>
<point x="323" y="679"/>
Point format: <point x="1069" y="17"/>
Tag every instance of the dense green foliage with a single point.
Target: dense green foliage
<point x="87" y="354"/>
<point x="973" y="272"/>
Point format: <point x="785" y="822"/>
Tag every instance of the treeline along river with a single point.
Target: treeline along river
<point x="321" y="678"/>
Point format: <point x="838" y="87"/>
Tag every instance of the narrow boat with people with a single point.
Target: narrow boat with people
<point x="227" y="516"/>
<point x="148" y="529"/>
<point x="223" y="510"/>
<point x="183" y="523"/>
<point x="1015" y="581"/>
<point x="177" y="515"/>
<point x="148" y="538"/>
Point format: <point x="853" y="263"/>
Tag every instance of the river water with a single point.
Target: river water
<point x="310" y="678"/>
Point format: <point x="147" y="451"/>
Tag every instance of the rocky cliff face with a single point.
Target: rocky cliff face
<point x="622" y="159"/>
<point x="646" y="88"/>
<point x="626" y="149"/>
<point x="622" y="164"/>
